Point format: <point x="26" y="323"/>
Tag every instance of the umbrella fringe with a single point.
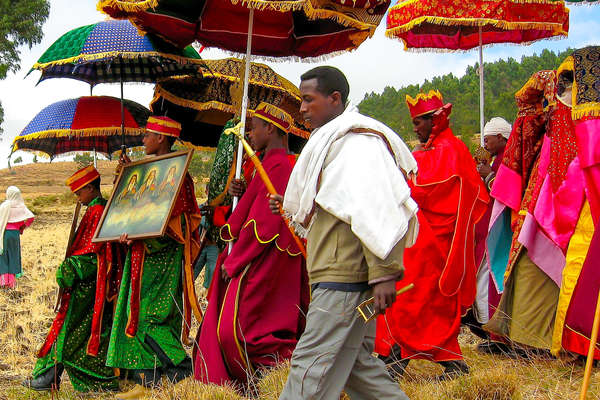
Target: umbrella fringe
<point x="339" y="17"/>
<point x="127" y="6"/>
<point x="281" y="6"/>
<point x="557" y="29"/>
<point x="77" y="133"/>
<point x="124" y="55"/>
<point x="291" y="90"/>
<point x="442" y="50"/>
<point x="195" y="105"/>
<point x="316" y="59"/>
<point x="210" y="105"/>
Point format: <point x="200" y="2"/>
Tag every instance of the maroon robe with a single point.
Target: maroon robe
<point x="256" y="318"/>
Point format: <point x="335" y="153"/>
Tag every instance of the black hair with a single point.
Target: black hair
<point x="95" y="183"/>
<point x="329" y="80"/>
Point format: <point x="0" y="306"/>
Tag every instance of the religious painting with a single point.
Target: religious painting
<point x="143" y="198"/>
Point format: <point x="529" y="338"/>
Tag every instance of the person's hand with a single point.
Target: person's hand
<point x="484" y="170"/>
<point x="237" y="188"/>
<point x="124" y="158"/>
<point x="275" y="202"/>
<point x="384" y="294"/>
<point x="224" y="274"/>
<point x="124" y="240"/>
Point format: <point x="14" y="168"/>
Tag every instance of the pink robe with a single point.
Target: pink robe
<point x="255" y="319"/>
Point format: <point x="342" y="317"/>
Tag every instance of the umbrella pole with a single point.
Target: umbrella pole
<point x="590" y="357"/>
<point x="240" y="149"/>
<point x="481" y="89"/>
<point x="95" y="159"/>
<point x="122" y="111"/>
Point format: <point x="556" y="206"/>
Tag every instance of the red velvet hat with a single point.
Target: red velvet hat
<point x="274" y="115"/>
<point x="163" y="126"/>
<point x="82" y="177"/>
<point x="424" y="103"/>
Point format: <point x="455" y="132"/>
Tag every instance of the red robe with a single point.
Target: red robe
<point x="256" y="318"/>
<point x="425" y="321"/>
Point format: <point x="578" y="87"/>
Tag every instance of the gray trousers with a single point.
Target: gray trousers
<point x="334" y="353"/>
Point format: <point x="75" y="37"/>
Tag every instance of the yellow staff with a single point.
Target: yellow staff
<point x="265" y="178"/>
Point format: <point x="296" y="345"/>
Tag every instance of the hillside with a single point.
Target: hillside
<point x="502" y="80"/>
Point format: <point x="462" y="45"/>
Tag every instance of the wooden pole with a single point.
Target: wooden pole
<point x="270" y="188"/>
<point x="591" y="350"/>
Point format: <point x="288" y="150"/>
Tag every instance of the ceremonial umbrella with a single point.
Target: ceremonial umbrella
<point x="463" y="25"/>
<point x="83" y="124"/>
<point x="292" y="28"/>
<point x="204" y="103"/>
<point x="114" y="51"/>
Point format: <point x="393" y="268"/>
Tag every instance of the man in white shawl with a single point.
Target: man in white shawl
<point x="14" y="218"/>
<point x="348" y="195"/>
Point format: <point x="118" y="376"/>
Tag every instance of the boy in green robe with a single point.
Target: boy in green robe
<point x="147" y="329"/>
<point x="78" y="339"/>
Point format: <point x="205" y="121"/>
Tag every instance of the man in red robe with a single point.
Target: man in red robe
<point x="451" y="198"/>
<point x="259" y="293"/>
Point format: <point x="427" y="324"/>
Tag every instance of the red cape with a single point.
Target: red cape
<point x="256" y="318"/>
<point x="451" y="196"/>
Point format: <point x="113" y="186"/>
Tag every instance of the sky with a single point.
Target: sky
<point x="377" y="63"/>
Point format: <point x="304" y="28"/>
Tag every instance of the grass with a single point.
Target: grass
<point x="26" y="315"/>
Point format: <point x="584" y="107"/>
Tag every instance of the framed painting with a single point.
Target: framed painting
<point x="143" y="198"/>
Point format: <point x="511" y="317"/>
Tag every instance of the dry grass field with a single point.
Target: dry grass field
<point x="26" y="314"/>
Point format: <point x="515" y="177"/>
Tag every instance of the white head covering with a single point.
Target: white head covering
<point x="13" y="209"/>
<point x="495" y="126"/>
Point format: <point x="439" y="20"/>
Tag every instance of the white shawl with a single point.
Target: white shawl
<point x="355" y="178"/>
<point x="13" y="209"/>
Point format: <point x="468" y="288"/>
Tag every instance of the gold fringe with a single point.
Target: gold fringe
<point x="585" y="110"/>
<point x="129" y="6"/>
<point x="126" y="55"/>
<point x="159" y="91"/>
<point x="76" y="133"/>
<point x="557" y="29"/>
<point x="281" y="6"/>
<point x="340" y="18"/>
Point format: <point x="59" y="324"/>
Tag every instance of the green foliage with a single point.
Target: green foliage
<point x="18" y="160"/>
<point x="83" y="159"/>
<point x="199" y="168"/>
<point x="35" y="158"/>
<point x="503" y="79"/>
<point x="20" y="24"/>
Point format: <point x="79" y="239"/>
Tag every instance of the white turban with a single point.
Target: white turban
<point x="495" y="126"/>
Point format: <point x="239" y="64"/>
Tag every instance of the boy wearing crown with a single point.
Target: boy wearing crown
<point x="451" y="198"/>
<point x="147" y="330"/>
<point x="259" y="293"/>
<point x="78" y="339"/>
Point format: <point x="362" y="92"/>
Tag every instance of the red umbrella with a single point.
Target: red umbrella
<point x="463" y="25"/>
<point x="294" y="28"/>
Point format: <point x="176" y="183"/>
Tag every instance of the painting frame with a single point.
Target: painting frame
<point x="150" y="167"/>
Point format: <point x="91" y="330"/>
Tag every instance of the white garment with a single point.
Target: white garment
<point x="354" y="178"/>
<point x="13" y="209"/>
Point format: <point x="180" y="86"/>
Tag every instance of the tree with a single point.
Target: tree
<point x="84" y="159"/>
<point x="18" y="160"/>
<point x="20" y="24"/>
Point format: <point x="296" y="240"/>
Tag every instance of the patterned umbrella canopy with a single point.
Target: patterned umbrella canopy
<point x="296" y="28"/>
<point x="83" y="124"/>
<point x="216" y="95"/>
<point x="454" y="24"/>
<point x="114" y="51"/>
<point x="462" y="25"/>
